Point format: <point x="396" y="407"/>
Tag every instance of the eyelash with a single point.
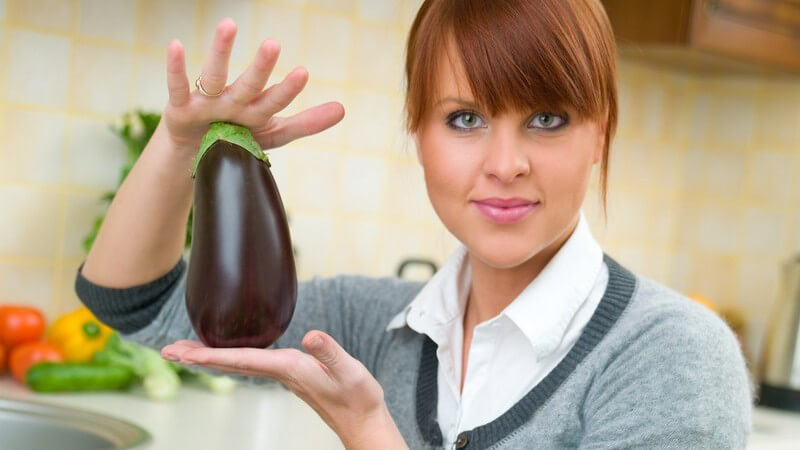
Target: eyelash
<point x="455" y="115"/>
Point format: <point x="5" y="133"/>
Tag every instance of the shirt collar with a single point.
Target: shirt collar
<point x="440" y="301"/>
<point x="543" y="310"/>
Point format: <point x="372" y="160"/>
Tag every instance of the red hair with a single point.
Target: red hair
<point x="518" y="54"/>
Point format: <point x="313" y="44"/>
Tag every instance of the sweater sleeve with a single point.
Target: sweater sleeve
<point x="680" y="383"/>
<point x="353" y="310"/>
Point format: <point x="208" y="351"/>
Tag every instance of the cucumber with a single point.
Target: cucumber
<point x="74" y="377"/>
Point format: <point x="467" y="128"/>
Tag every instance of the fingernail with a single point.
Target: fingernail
<point x="316" y="342"/>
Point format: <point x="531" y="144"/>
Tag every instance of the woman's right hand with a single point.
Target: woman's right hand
<point x="245" y="102"/>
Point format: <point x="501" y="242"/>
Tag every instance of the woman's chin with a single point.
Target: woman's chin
<point x="503" y="256"/>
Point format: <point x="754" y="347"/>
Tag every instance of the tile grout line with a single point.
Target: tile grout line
<point x="56" y="300"/>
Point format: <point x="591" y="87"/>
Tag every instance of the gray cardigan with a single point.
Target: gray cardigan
<point x="651" y="369"/>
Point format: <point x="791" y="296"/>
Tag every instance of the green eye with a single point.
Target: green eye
<point x="548" y="121"/>
<point x="465" y="120"/>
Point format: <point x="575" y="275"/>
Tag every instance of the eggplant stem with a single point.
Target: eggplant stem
<point x="229" y="132"/>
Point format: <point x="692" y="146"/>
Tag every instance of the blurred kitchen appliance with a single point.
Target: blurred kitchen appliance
<point x="426" y="264"/>
<point x="779" y="371"/>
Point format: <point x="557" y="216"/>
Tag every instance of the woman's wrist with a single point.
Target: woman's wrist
<point x="377" y="430"/>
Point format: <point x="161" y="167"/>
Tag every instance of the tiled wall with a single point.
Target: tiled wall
<point x="703" y="192"/>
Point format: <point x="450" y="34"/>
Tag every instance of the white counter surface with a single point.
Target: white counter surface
<point x="263" y="418"/>
<point x="250" y="418"/>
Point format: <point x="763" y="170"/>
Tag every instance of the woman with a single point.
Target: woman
<point x="529" y="336"/>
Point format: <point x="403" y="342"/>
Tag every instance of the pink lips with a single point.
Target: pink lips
<point x="505" y="211"/>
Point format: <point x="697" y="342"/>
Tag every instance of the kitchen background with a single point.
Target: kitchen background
<point x="703" y="192"/>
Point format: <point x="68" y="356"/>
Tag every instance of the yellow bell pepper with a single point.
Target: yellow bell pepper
<point x="79" y="335"/>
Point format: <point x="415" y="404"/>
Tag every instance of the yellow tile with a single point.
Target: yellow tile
<point x="67" y="298"/>
<point x="329" y="47"/>
<point x="287" y="26"/>
<point x="39" y="71"/>
<point x="150" y="82"/>
<point x="773" y="177"/>
<point x="2" y="9"/>
<point x="312" y="235"/>
<point x="376" y="120"/>
<point x="757" y="286"/>
<point x="354" y="247"/>
<point x="160" y="22"/>
<point x="764" y="232"/>
<point x="27" y="284"/>
<point x="316" y="189"/>
<point x="242" y="12"/>
<point x="338" y="6"/>
<point x="102" y="79"/>
<point x="81" y="212"/>
<point x="362" y="184"/>
<point x="717" y="173"/>
<point x="406" y="195"/>
<point x="28" y="223"/>
<point x="408" y="11"/>
<point x="51" y="14"/>
<point x="383" y="11"/>
<point x="379" y="58"/>
<point x="778" y="121"/>
<point x="33" y="148"/>
<point x="109" y="19"/>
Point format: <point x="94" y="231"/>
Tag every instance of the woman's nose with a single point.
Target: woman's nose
<point x="505" y="159"/>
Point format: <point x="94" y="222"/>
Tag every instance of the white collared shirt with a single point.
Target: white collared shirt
<point x="512" y="352"/>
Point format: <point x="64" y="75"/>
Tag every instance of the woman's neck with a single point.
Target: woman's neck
<point x="493" y="289"/>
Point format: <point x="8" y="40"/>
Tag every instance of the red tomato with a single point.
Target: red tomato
<point x="20" y="324"/>
<point x="26" y="355"/>
<point x="2" y="359"/>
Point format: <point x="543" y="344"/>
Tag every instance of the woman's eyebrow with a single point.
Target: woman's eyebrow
<point x="458" y="100"/>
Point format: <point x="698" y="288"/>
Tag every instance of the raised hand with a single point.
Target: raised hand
<point x="245" y="102"/>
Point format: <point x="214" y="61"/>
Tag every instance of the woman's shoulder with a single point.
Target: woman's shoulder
<point x="656" y="305"/>
<point x="674" y="329"/>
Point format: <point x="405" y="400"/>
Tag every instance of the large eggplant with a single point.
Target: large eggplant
<point x="242" y="284"/>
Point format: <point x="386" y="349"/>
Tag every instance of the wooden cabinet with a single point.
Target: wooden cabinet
<point x="741" y="35"/>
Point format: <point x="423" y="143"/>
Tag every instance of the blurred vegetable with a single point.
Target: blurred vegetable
<point x="26" y="355"/>
<point x="79" y="335"/>
<point x="20" y="324"/>
<point x="2" y="359"/>
<point x="72" y="377"/>
<point x="135" y="129"/>
<point x="158" y="376"/>
<point x="215" y="384"/>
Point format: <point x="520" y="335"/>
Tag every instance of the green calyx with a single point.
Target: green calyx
<point x="235" y="134"/>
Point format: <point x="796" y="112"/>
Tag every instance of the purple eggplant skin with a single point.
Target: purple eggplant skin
<point x="241" y="286"/>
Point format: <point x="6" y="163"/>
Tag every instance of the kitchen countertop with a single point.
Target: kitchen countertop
<point x="269" y="417"/>
<point x="251" y="417"/>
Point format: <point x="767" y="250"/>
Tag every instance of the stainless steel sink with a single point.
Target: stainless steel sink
<point x="35" y="426"/>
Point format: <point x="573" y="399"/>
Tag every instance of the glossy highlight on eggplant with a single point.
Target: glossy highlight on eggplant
<point x="242" y="284"/>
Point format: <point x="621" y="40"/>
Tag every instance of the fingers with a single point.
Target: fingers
<point x="328" y="352"/>
<point x="252" y="361"/>
<point x="215" y="71"/>
<point x="282" y="130"/>
<point x="177" y="83"/>
<point x="279" y="96"/>
<point x="251" y="83"/>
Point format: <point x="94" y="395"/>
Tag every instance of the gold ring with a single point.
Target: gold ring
<point x="199" y="85"/>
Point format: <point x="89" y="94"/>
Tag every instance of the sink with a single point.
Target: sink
<point x="26" y="425"/>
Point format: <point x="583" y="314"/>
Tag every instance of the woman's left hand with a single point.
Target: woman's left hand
<point x="339" y="388"/>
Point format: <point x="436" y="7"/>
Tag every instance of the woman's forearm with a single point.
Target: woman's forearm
<point x="144" y="231"/>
